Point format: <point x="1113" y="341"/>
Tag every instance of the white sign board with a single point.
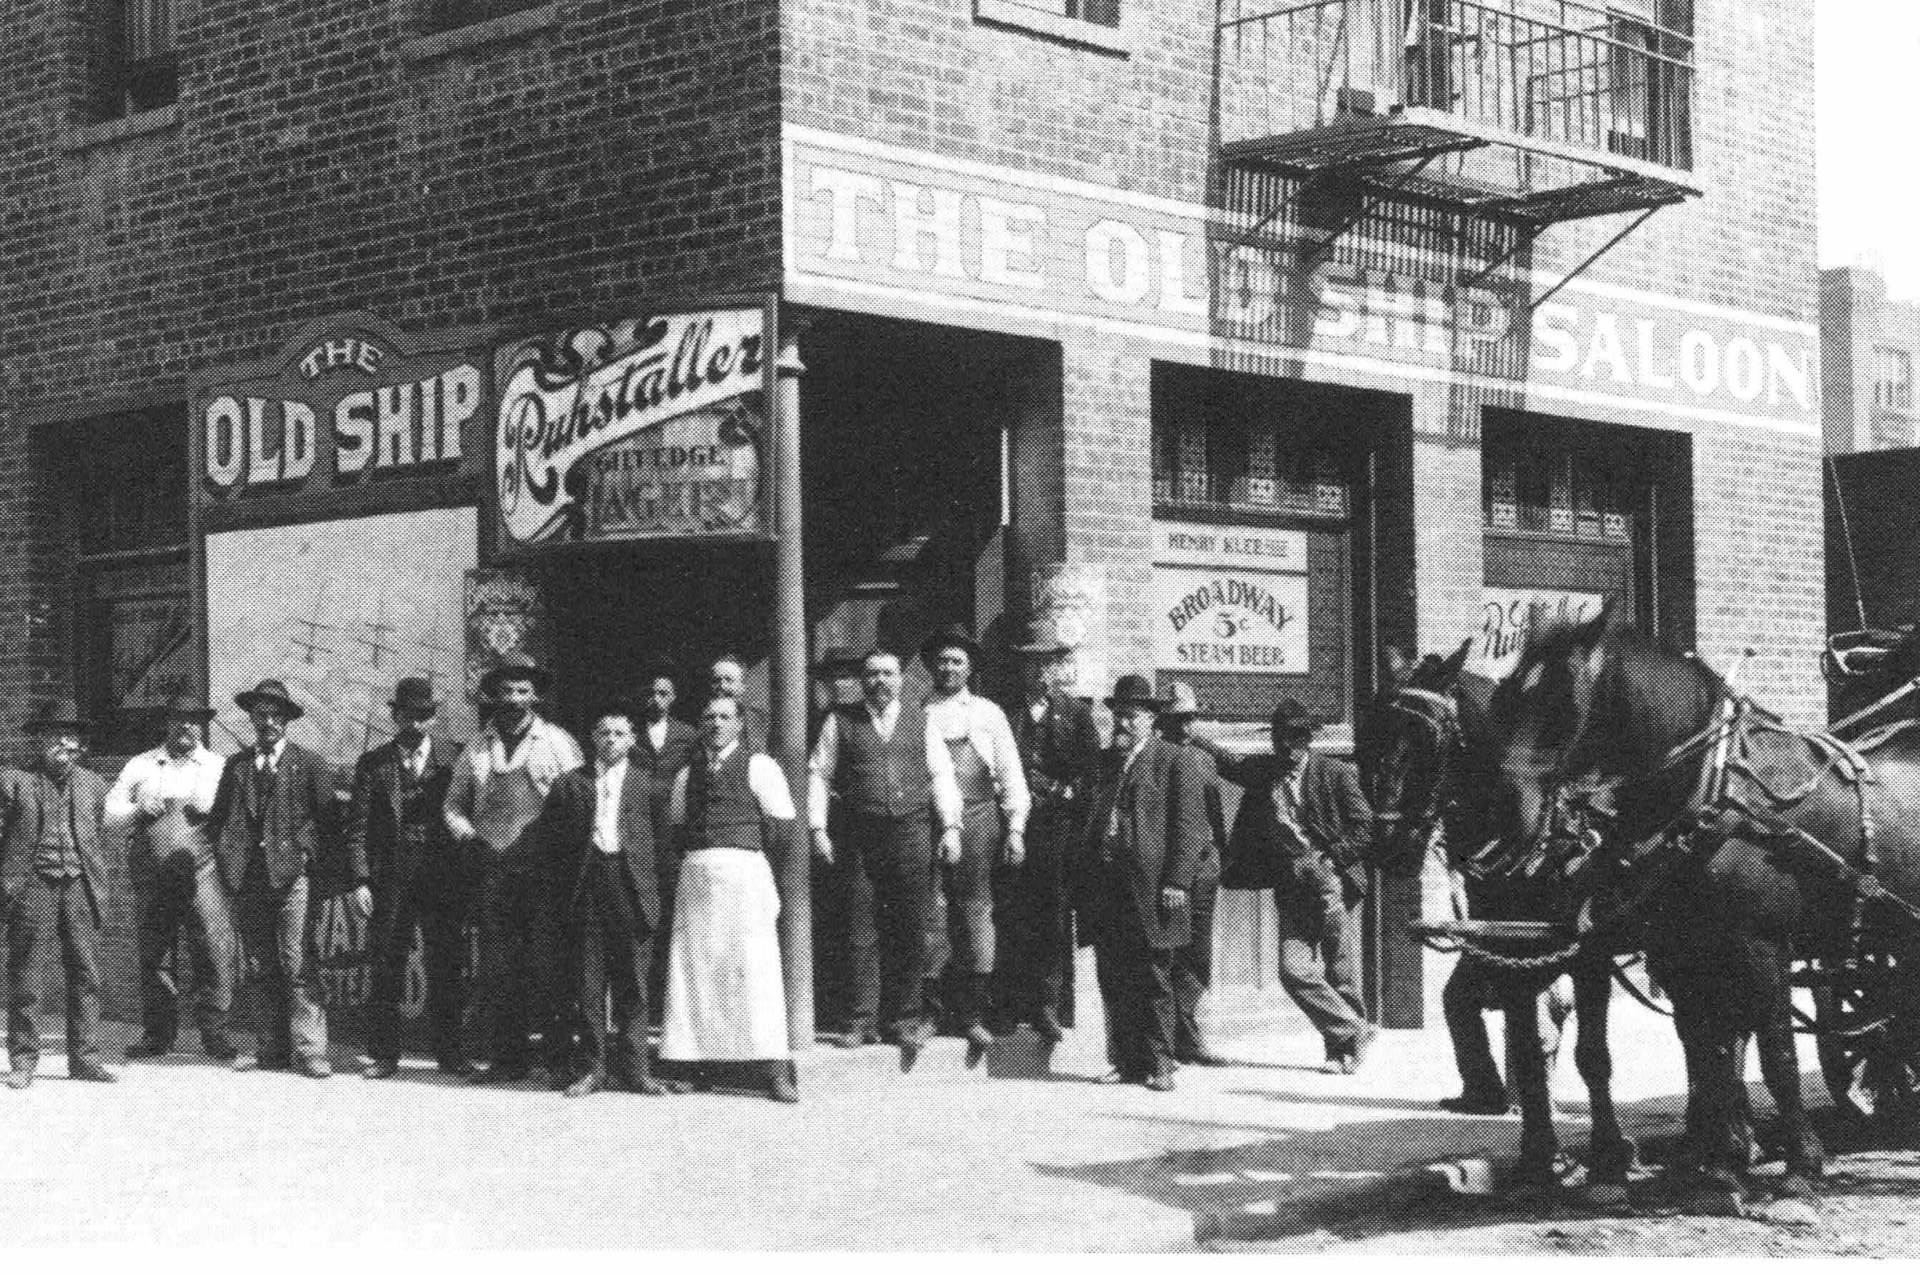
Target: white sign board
<point x="1507" y="614"/>
<point x="1199" y="544"/>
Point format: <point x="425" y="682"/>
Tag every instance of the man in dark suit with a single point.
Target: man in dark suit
<point x="1145" y="840"/>
<point x="268" y="822"/>
<point x="1305" y="815"/>
<point x="408" y="872"/>
<point x="662" y="746"/>
<point x="1060" y="747"/>
<point x="598" y="826"/>
<point x="1193" y="964"/>
<point x="53" y="878"/>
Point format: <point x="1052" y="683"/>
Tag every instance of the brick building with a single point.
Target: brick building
<point x="1868" y="345"/>
<point x="1240" y="344"/>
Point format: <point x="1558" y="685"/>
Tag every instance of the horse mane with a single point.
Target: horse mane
<point x="1658" y="695"/>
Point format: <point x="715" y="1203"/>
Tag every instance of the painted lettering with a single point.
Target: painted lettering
<point x="225" y="447"/>
<point x="1134" y="279"/>
<point x="940" y="223"/>
<point x="1007" y="254"/>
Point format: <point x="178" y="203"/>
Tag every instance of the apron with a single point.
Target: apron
<point x="726" y="1000"/>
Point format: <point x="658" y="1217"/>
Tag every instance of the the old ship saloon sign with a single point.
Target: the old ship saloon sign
<point x="642" y="428"/>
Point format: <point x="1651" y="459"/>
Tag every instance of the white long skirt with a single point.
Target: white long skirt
<point x="726" y="1000"/>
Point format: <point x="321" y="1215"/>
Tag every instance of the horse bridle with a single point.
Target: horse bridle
<point x="1439" y="716"/>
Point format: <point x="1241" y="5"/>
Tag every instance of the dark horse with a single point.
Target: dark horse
<point x="1433" y="753"/>
<point x="1744" y="844"/>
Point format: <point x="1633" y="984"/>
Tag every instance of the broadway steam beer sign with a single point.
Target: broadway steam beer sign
<point x="642" y="429"/>
<point x="351" y="404"/>
<point x="1229" y="599"/>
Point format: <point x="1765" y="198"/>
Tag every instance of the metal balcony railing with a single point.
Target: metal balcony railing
<point x="1571" y="77"/>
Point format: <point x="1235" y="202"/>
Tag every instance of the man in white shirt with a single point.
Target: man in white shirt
<point x="499" y="787"/>
<point x="892" y="776"/>
<point x="161" y="802"/>
<point x="726" y="999"/>
<point x="600" y="836"/>
<point x="994" y="800"/>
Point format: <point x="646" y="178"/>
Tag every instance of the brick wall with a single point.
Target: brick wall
<point x="328" y="156"/>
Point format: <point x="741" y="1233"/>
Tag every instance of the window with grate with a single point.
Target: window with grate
<point x="1228" y="452"/>
<point x="443" y="15"/>
<point x="133" y="606"/>
<point x="140" y="65"/>
<point x="1892" y="379"/>
<point x="1555" y="490"/>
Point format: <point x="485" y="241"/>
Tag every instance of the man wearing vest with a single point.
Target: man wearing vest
<point x="161" y="802"/>
<point x="500" y="784"/>
<point x="661" y="745"/>
<point x="53" y="877"/>
<point x="408" y="872"/>
<point x="892" y="777"/>
<point x="1060" y="748"/>
<point x="1193" y="963"/>
<point x="993" y="792"/>
<point x="599" y="825"/>
<point x="726" y="1000"/>
<point x="275" y="800"/>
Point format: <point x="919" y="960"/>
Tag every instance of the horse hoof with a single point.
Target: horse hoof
<point x="1795" y="1187"/>
<point x="1794" y="1212"/>
<point x="1713" y="1199"/>
<point x="1606" y="1195"/>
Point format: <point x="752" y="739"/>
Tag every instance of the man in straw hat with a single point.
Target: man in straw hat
<point x="1193" y="964"/>
<point x="54" y="878"/>
<point x="994" y="802"/>
<point x="163" y="798"/>
<point x="1060" y="751"/>
<point x="1146" y="837"/>
<point x="1306" y="819"/>
<point x="408" y="872"/>
<point x="500" y="784"/>
<point x="269" y="816"/>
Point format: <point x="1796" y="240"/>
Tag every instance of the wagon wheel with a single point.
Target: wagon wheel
<point x="1865" y="1034"/>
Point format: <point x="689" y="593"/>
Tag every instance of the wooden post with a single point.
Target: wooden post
<point x="789" y="678"/>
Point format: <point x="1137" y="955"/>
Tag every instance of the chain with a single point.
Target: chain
<point x="1550" y="960"/>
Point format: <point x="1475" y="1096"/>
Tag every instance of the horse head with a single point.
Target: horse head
<point x="1411" y="754"/>
<point x="1596" y="706"/>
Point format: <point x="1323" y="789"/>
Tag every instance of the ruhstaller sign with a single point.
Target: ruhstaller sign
<point x="639" y="429"/>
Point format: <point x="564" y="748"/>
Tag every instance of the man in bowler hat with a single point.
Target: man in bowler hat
<point x="54" y="879"/>
<point x="1305" y="816"/>
<point x="271" y="817"/>
<point x="1146" y="837"/>
<point x="1193" y="964"/>
<point x="162" y="801"/>
<point x="407" y="871"/>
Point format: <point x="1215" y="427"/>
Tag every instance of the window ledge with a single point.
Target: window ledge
<point x="511" y="26"/>
<point x="79" y="137"/>
<point x="1054" y="26"/>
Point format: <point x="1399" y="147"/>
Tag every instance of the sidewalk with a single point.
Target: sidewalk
<point x="1007" y="1156"/>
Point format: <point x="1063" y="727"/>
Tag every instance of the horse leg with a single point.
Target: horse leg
<point x="1780" y="1067"/>
<point x="1610" y="1153"/>
<point x="1538" y="1143"/>
<point x="1713" y="1110"/>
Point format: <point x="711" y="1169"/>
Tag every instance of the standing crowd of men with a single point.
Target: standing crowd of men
<point x="963" y="842"/>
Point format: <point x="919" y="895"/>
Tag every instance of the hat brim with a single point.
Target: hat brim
<point x="930" y="650"/>
<point x="1120" y="701"/>
<point x="416" y="705"/>
<point x="491" y="679"/>
<point x="40" y="725"/>
<point x="1041" y="648"/>
<point x="247" y="700"/>
<point x="1179" y="710"/>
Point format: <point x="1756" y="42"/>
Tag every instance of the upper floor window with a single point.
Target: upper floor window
<point x="1893" y="379"/>
<point x="140" y="63"/>
<point x="444" y="15"/>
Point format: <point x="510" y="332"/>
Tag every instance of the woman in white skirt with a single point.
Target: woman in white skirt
<point x="726" y="1000"/>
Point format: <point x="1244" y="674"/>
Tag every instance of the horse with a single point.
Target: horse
<point x="1746" y="844"/>
<point x="1432" y="749"/>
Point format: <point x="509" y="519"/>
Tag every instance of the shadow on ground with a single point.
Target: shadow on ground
<point x="1373" y="1178"/>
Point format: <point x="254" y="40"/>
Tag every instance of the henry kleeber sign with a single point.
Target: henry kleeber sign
<point x="1229" y="599"/>
<point x="647" y="428"/>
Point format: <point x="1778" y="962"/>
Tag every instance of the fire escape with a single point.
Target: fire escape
<point x="1521" y="113"/>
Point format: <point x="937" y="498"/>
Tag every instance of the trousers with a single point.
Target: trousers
<point x="885" y="867"/>
<point x="290" y="1021"/>
<point x="175" y="893"/>
<point x="45" y="912"/>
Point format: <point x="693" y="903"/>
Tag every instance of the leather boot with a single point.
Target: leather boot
<point x="979" y="1039"/>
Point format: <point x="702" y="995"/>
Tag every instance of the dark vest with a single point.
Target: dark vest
<point x="876" y="776"/>
<point x="971" y="773"/>
<point x="419" y="812"/>
<point x="721" y="807"/>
